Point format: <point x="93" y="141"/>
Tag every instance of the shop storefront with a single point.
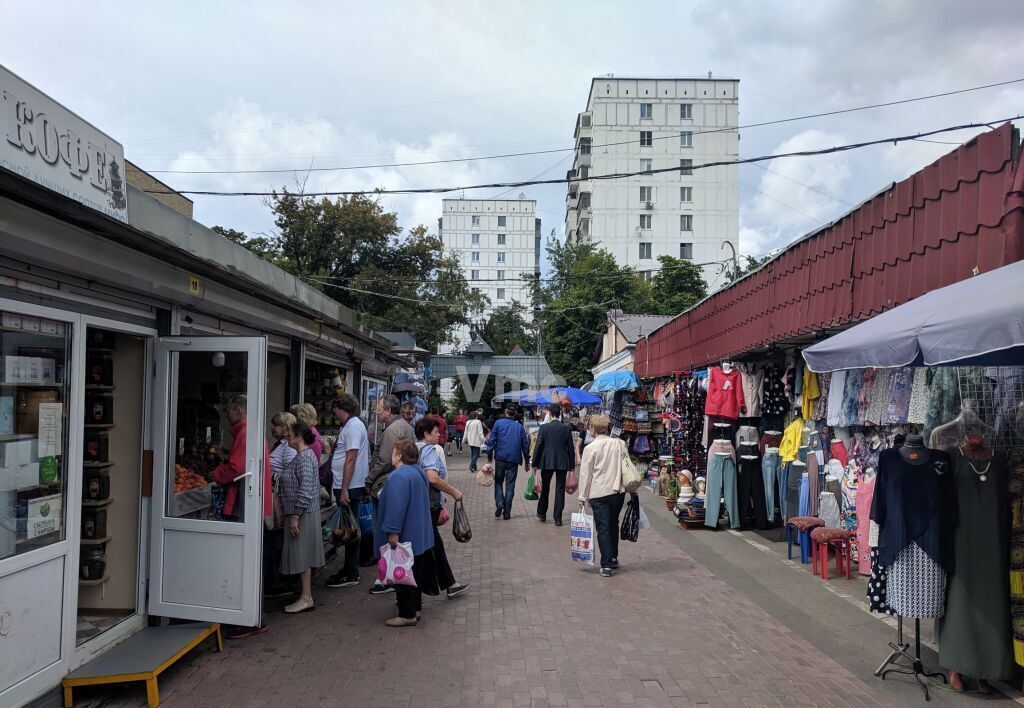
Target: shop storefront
<point x="135" y="344"/>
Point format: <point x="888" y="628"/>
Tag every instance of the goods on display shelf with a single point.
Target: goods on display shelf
<point x="324" y="383"/>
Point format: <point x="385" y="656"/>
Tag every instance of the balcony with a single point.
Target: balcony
<point x="583" y="125"/>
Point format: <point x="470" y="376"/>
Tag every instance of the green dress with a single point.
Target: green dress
<point x="975" y="637"/>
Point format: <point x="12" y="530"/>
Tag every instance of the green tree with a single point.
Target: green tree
<point x="354" y="251"/>
<point x="586" y="282"/>
<point x="677" y="287"/>
<point x="748" y="265"/>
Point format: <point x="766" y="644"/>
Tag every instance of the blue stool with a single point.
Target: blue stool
<point x="803" y="525"/>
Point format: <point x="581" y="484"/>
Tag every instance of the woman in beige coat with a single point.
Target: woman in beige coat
<point x="601" y="485"/>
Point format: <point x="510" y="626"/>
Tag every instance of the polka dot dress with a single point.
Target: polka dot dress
<point x="877" y="585"/>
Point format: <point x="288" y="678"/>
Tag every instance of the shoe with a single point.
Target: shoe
<point x="615" y="563"/>
<point x="381" y="589"/>
<point x="456" y="590"/>
<point x="506" y="516"/>
<point x="498" y="512"/>
<point x="606" y="572"/>
<point x="300" y="605"/>
<point x="401" y="622"/>
<point x="247" y="632"/>
<point x="558" y="522"/>
<point x="541" y="519"/>
<point x="342" y="581"/>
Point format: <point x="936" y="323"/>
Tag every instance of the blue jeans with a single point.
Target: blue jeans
<point x="474" y="456"/>
<point x="505" y="485"/>
<point x="770" y="471"/>
<point x="782" y="477"/>
<point x="458" y="439"/>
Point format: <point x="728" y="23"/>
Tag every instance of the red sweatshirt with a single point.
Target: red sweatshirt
<point x="235" y="467"/>
<point x="725" y="393"/>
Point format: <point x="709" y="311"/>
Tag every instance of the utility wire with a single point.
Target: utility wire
<point x="778" y="121"/>
<point x="616" y="175"/>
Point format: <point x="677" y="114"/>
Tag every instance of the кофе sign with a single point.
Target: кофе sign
<point x="42" y="141"/>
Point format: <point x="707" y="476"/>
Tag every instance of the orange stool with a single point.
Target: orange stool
<point x="821" y="539"/>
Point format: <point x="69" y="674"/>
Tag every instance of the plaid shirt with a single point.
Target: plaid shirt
<point x="300" y="484"/>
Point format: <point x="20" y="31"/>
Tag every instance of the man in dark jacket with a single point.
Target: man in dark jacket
<point x="554" y="456"/>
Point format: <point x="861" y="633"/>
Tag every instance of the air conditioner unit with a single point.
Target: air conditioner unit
<point x="648" y="205"/>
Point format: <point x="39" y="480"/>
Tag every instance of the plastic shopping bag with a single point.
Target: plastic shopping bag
<point x="395" y="565"/>
<point x="442" y="516"/>
<point x="460" y="527"/>
<point x="572" y="482"/>
<point x="630" y="528"/>
<point x="530" y="493"/>
<point x="484" y="477"/>
<point x="581" y="537"/>
<point x="365" y="516"/>
<point x="644" y="521"/>
<point x="538" y="483"/>
<point x="332" y="523"/>
<point x="347" y="529"/>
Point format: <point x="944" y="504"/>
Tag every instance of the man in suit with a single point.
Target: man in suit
<point x="553" y="455"/>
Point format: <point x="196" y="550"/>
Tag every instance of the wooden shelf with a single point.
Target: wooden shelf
<point x="97" y="465"/>
<point x="95" y="541"/>
<point x="98" y="387"/>
<point x="100" y="581"/>
<point x="93" y="503"/>
<point x="99" y="426"/>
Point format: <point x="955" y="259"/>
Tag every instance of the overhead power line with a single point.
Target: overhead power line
<point x="570" y="149"/>
<point x="616" y="175"/>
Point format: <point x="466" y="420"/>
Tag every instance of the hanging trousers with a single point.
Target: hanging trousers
<point x="750" y="488"/>
<point x="721" y="482"/>
<point x="793" y="480"/>
<point x="771" y="473"/>
<point x="784" y="473"/>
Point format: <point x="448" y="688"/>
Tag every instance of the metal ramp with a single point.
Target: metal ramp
<point x="142" y="657"/>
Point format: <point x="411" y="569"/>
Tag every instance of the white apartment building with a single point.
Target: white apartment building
<point x="498" y="242"/>
<point x="637" y="125"/>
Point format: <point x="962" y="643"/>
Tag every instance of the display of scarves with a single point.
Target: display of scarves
<point x="1015" y="462"/>
<point x="901" y="386"/>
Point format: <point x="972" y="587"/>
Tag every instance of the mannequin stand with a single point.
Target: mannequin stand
<point x="901" y="650"/>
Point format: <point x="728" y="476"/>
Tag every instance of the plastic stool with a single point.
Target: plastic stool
<point x="803" y="525"/>
<point x="821" y="539"/>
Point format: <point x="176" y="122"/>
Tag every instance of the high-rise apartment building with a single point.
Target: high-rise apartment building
<point x="648" y="125"/>
<point x="498" y="242"/>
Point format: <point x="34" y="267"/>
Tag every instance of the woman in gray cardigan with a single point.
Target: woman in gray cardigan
<point x="300" y="502"/>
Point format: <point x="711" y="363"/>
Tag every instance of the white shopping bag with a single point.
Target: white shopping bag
<point x="644" y="522"/>
<point x="395" y="565"/>
<point x="581" y="537"/>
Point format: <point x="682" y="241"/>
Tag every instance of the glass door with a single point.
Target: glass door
<point x="209" y="458"/>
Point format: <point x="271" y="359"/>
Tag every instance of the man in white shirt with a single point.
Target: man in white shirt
<point x="350" y="462"/>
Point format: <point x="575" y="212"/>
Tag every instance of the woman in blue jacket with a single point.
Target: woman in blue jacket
<point x="403" y="516"/>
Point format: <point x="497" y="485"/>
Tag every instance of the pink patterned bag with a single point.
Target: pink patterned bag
<point x="395" y="565"/>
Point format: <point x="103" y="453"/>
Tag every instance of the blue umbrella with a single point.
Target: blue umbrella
<point x="576" y="396"/>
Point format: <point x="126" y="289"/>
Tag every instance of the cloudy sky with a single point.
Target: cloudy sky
<point x="268" y="85"/>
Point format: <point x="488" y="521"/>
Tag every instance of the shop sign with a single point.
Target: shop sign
<point x="44" y="515"/>
<point x="46" y="143"/>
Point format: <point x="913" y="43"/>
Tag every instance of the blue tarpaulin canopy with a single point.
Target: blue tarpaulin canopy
<point x="615" y="381"/>
<point x="576" y="396"/>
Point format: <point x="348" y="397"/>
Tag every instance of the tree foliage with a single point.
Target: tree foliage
<point x="354" y="251"/>
<point x="677" y="287"/>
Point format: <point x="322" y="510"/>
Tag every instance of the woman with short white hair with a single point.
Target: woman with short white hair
<point x="601" y="485"/>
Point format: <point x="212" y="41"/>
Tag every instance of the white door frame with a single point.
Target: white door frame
<point x="131" y="624"/>
<point x="247" y="613"/>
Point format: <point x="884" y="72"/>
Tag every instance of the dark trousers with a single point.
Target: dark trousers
<point x="542" y="503"/>
<point x="750" y="493"/>
<point x="443" y="571"/>
<point x="505" y="485"/>
<point x="352" y="549"/>
<point x="458" y="439"/>
<point x="606" y="519"/>
<point x="409" y="600"/>
<point x="474" y="456"/>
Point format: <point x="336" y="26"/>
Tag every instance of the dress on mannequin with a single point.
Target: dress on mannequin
<point x="975" y="637"/>
<point x="914" y="507"/>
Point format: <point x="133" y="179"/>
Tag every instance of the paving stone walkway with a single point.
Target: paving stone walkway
<point x="535" y="629"/>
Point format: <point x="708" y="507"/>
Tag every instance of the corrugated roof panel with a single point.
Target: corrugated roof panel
<point x="963" y="211"/>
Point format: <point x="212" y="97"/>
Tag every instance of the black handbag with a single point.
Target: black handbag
<point x="630" y="529"/>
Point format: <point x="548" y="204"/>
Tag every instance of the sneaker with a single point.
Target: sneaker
<point x="615" y="563"/>
<point x="541" y="519"/>
<point x="506" y="517"/>
<point x="456" y="590"/>
<point x="558" y="522"/>
<point x="247" y="632"/>
<point x="498" y="512"/>
<point x="606" y="572"/>
<point x="381" y="589"/>
<point x="401" y="622"/>
<point x="342" y="581"/>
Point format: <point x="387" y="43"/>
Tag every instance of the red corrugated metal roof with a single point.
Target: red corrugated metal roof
<point x="964" y="211"/>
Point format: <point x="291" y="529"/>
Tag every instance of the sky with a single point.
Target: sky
<point x="197" y="86"/>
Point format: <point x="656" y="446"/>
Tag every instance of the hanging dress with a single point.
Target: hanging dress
<point x="975" y="637"/>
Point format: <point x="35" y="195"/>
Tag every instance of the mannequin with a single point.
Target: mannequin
<point x="975" y="637"/>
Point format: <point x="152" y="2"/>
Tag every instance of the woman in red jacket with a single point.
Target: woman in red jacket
<point x="227" y="473"/>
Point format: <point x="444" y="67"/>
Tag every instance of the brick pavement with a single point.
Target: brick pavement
<point x="535" y="629"/>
